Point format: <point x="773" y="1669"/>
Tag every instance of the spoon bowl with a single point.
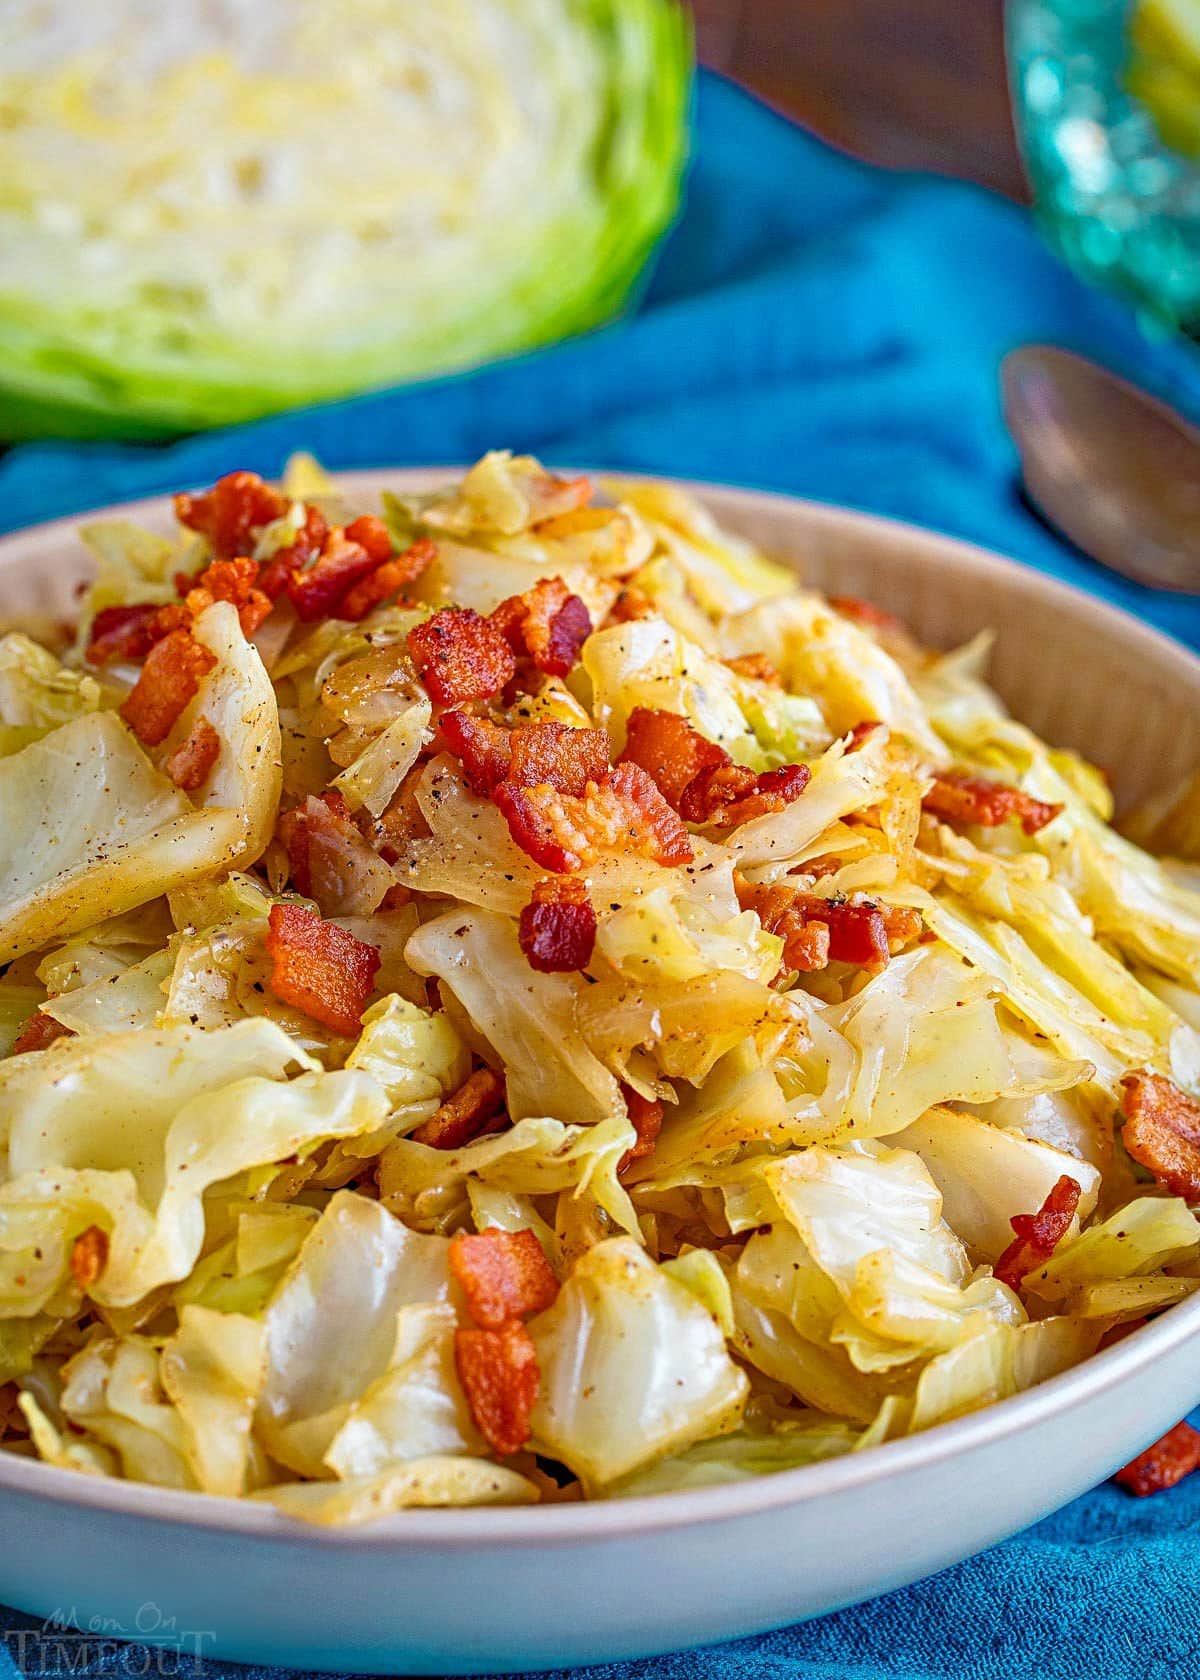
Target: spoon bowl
<point x="1111" y="468"/>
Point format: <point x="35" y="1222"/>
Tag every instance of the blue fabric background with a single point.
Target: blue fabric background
<point x="816" y="327"/>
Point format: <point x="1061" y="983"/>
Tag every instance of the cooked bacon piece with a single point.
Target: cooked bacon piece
<point x="728" y="795"/>
<point x="40" y="1029"/>
<point x="319" y="968"/>
<point x="623" y="812"/>
<point x="862" y="733"/>
<point x="1168" y="1461"/>
<point x="460" y="656"/>
<point x="498" y="1370"/>
<point x="231" y="512"/>
<point x="481" y="747"/>
<point x="529" y="755"/>
<point x="856" y="931"/>
<point x="402" y="821"/>
<point x="1162" y="1131"/>
<point x="503" y="1274"/>
<point x="190" y="765"/>
<point x="168" y="680"/>
<point x="306" y="545"/>
<point x="372" y="534"/>
<point x="234" y="581"/>
<point x="1038" y="1234"/>
<point x="698" y="777"/>
<point x="646" y="1117"/>
<point x="228" y="580"/>
<point x="631" y="604"/>
<point x="557" y="928"/>
<point x="669" y="750"/>
<point x="957" y="797"/>
<point x="547" y="622"/>
<point x="554" y="753"/>
<point x="712" y="791"/>
<point x="867" y="614"/>
<point x="328" y="858"/>
<point x="755" y="665"/>
<point x="89" y="1256"/>
<point x="176" y="615"/>
<point x="318" y="591"/>
<point x="554" y="498"/>
<point x="387" y="579"/>
<point x="122" y="633"/>
<point x="476" y="1107"/>
<point x="901" y="925"/>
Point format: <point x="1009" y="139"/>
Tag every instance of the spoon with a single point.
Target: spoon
<point x="1110" y="467"/>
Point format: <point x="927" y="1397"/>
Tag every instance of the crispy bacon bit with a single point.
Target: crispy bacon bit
<point x="39" y="1031"/>
<point x="122" y="633"/>
<point x="402" y="821"/>
<point x="862" y="733"/>
<point x="867" y="614"/>
<point x="229" y="514"/>
<point x="372" y="534"/>
<point x="228" y="580"/>
<point x="460" y="656"/>
<point x="529" y="755"/>
<point x="234" y="581"/>
<point x="1168" y="1461"/>
<point x="167" y="682"/>
<point x="1038" y="1234"/>
<point x="557" y="928"/>
<point x="554" y="753"/>
<point x="622" y="812"/>
<point x="554" y="498"/>
<point x="387" y="579"/>
<point x="669" y="750"/>
<point x="755" y="665"/>
<point x="698" y="777"/>
<point x="901" y="925"/>
<point x="481" y="747"/>
<point x="548" y="623"/>
<point x="728" y="795"/>
<point x="1162" y="1131"/>
<point x="328" y="858"/>
<point x="957" y="797"/>
<point x="319" y="968"/>
<point x="504" y="1275"/>
<point x="305" y="546"/>
<point x="89" y="1256"/>
<point x="190" y="765"/>
<point x="646" y="1117"/>
<point x="632" y="603"/>
<point x="476" y="1107"/>
<point x="856" y="931"/>
<point x="317" y="592"/>
<point x="498" y="1370"/>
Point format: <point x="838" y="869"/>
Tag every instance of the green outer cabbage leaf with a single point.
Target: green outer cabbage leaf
<point x="559" y="258"/>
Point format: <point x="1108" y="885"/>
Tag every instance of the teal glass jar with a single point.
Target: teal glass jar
<point x="1107" y="101"/>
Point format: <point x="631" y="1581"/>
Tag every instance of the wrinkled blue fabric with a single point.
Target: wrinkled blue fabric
<point x="817" y="327"/>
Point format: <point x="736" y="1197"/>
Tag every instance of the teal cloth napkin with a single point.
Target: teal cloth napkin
<point x="816" y="327"/>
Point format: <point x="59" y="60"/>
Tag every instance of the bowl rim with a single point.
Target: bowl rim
<point x="470" y="1527"/>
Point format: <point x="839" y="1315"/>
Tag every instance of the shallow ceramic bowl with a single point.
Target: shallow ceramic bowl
<point x="490" y="1590"/>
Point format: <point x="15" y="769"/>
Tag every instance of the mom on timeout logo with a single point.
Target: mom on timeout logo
<point x="66" y="1643"/>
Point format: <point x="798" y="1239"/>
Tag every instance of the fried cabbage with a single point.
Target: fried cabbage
<point x="573" y="1016"/>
